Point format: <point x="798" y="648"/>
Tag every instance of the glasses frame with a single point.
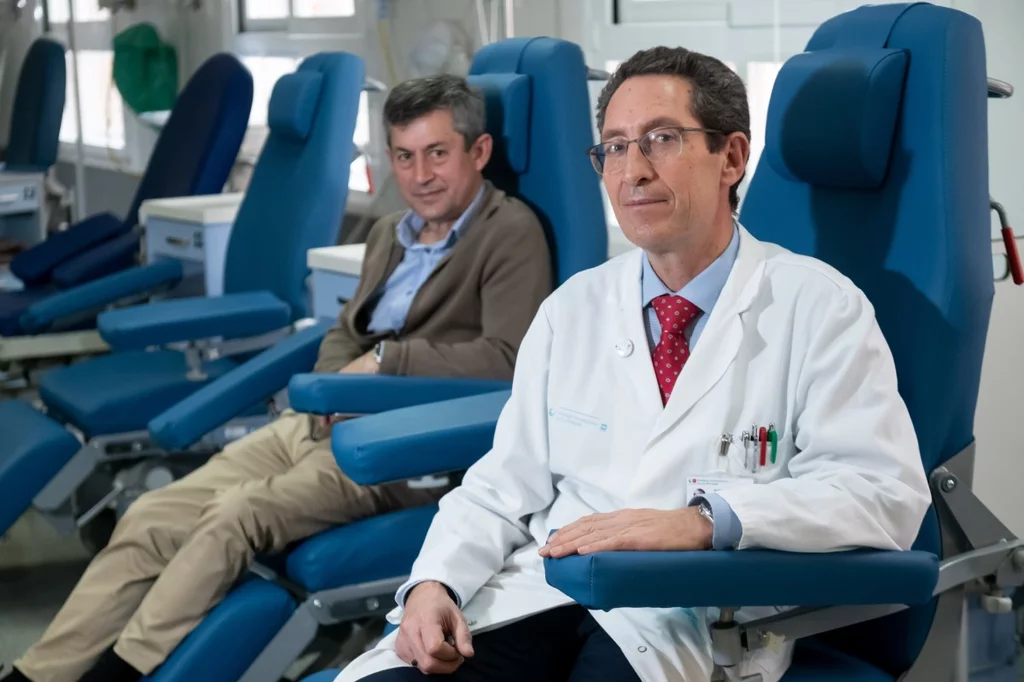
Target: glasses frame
<point x="593" y="151"/>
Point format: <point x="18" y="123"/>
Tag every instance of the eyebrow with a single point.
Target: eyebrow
<point x="429" y="147"/>
<point x="660" y="122"/>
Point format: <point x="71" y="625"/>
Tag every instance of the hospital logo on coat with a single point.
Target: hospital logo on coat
<point x="577" y="419"/>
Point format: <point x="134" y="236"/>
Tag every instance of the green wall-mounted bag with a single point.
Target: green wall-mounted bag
<point x="145" y="69"/>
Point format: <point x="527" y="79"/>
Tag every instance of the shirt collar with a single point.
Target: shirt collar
<point x="704" y="289"/>
<point x="408" y="228"/>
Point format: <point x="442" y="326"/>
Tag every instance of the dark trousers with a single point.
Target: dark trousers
<point x="562" y="645"/>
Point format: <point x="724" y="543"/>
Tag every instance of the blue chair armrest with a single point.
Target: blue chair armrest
<point x="229" y="395"/>
<point x="417" y="441"/>
<point x="372" y="393"/>
<point x="230" y="317"/>
<point x="93" y="296"/>
<point x="753" y="577"/>
<point x="35" y="265"/>
<point x="100" y="260"/>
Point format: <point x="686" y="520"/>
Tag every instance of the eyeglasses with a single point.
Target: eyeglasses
<point x="657" y="145"/>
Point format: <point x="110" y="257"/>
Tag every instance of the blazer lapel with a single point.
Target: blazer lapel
<point x="722" y="336"/>
<point x="418" y="309"/>
<point x="377" y="272"/>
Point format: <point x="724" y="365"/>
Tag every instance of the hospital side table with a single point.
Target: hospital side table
<point x="335" y="274"/>
<point x="195" y="231"/>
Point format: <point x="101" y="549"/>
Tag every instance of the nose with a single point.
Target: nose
<point x="423" y="173"/>
<point x="638" y="168"/>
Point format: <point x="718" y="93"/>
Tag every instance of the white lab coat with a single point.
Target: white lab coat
<point x="790" y="342"/>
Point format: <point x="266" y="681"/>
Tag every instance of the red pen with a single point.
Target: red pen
<point x="762" y="436"/>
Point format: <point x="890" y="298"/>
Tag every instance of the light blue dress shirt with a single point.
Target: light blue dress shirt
<point x="418" y="261"/>
<point x="703" y="291"/>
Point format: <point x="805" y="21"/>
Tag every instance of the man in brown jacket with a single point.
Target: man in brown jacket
<point x="447" y="289"/>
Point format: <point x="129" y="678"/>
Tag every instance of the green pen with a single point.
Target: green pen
<point x="773" y="438"/>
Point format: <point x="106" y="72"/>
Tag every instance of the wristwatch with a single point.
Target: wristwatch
<point x="378" y="351"/>
<point x="705" y="510"/>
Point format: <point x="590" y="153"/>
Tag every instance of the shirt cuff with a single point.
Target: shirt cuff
<point x="403" y="593"/>
<point x="728" y="529"/>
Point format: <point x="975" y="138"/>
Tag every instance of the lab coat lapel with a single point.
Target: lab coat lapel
<point x="632" y="334"/>
<point x="720" y="341"/>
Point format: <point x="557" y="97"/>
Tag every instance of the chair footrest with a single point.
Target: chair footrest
<point x="35" y="448"/>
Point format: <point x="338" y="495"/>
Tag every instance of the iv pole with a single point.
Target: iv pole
<point x="80" y="209"/>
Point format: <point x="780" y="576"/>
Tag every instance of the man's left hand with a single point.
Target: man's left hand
<point x="638" y="530"/>
<point x="364" y="364"/>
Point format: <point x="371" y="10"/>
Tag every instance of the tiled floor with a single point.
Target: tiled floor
<point x="29" y="599"/>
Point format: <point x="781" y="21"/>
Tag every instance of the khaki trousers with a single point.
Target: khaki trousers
<point x="178" y="550"/>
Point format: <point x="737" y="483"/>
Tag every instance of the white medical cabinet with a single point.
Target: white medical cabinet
<point x="23" y="213"/>
<point x="335" y="275"/>
<point x="195" y="231"/>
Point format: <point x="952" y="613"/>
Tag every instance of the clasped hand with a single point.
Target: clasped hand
<point x="638" y="530"/>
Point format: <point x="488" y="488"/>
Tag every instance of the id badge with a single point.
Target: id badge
<point x="699" y="486"/>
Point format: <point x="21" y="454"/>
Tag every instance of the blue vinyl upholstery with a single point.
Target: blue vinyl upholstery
<point x="216" y="403"/>
<point x="160" y="323"/>
<point x="405" y="443"/>
<point x="121" y="392"/>
<point x="545" y="113"/>
<point x="214" y="651"/>
<point x="370" y="394"/>
<point x="92" y="295"/>
<point x="667" y="579"/>
<point x="38" y="108"/>
<point x="193" y="155"/>
<point x="345" y="555"/>
<point x="35" y="449"/>
<point x="917" y="244"/>
<point x="34" y="266"/>
<point x="293" y="104"/>
<point x="296" y="199"/>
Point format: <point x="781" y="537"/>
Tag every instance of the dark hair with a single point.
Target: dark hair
<point x="719" y="100"/>
<point x="416" y="98"/>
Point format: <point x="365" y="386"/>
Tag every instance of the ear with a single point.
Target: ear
<point x="481" y="151"/>
<point x="737" y="153"/>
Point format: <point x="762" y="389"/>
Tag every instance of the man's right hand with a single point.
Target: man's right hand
<point x="433" y="635"/>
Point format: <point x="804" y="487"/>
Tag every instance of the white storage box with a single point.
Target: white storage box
<point x="335" y="275"/>
<point x="23" y="207"/>
<point x="194" y="230"/>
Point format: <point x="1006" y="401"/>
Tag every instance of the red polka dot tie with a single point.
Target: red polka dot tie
<point x="672" y="351"/>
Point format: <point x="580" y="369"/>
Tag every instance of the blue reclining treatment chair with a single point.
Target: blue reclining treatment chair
<point x="875" y="162"/>
<point x="38" y="109"/>
<point x="538" y="113"/>
<point x="165" y="351"/>
<point x="193" y="155"/>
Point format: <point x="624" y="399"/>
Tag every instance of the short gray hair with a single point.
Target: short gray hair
<point x="719" y="99"/>
<point x="416" y="98"/>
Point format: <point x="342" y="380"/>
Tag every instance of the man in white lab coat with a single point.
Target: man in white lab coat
<point x="625" y="385"/>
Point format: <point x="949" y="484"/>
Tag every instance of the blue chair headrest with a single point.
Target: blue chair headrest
<point x="507" y="101"/>
<point x="293" y="104"/>
<point x="832" y="117"/>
